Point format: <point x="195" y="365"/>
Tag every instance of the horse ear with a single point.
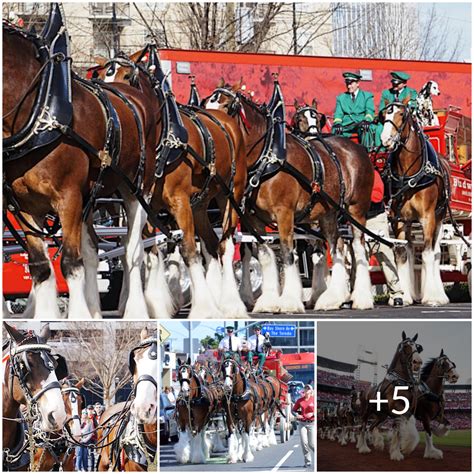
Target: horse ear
<point x="188" y="361"/>
<point x="314" y="103"/>
<point x="386" y="103"/>
<point x="221" y="83"/>
<point x="406" y="100"/>
<point x="45" y="332"/>
<point x="134" y="57"/>
<point x="415" y="337"/>
<point x="81" y="383"/>
<point x="441" y="354"/>
<point x="179" y="361"/>
<point x="14" y="334"/>
<point x="100" y="60"/>
<point x="238" y="85"/>
<point x="296" y="105"/>
<point x="404" y="336"/>
<point x="144" y="334"/>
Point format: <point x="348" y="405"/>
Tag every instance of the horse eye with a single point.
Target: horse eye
<point x="127" y="77"/>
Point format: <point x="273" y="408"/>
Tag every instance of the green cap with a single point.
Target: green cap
<point x="229" y="328"/>
<point x="400" y="76"/>
<point x="351" y="76"/>
<point x="257" y="326"/>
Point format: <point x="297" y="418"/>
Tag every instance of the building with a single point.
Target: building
<point x="373" y="30"/>
<point x="104" y="28"/>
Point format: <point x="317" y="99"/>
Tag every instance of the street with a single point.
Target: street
<point x="283" y="457"/>
<point x="418" y="311"/>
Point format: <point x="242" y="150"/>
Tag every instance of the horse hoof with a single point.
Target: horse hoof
<point x="288" y="306"/>
<point x="364" y="450"/>
<point x="268" y="304"/>
<point x="396" y="457"/>
<point x="434" y="454"/>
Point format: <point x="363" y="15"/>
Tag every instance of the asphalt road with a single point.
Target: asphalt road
<point x="418" y="311"/>
<point x="280" y="458"/>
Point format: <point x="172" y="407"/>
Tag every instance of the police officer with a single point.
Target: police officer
<point x="399" y="91"/>
<point x="355" y="110"/>
<point x="231" y="345"/>
<point x="257" y="347"/>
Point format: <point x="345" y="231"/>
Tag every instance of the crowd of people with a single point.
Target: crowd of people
<point x="336" y="380"/>
<point x="85" y="455"/>
<point x="458" y="400"/>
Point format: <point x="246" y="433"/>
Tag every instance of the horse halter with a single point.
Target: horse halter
<point x="233" y="107"/>
<point x="74" y="394"/>
<point x="451" y="365"/>
<point x="151" y="342"/>
<point x="20" y="368"/>
<point x="314" y="114"/>
<point x="397" y="139"/>
<point x="408" y="363"/>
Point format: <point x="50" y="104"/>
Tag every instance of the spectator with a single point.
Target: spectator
<point x="94" y="420"/>
<point x="87" y="428"/>
<point x="304" y="408"/>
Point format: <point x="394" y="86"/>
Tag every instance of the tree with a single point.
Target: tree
<point x="397" y="31"/>
<point x="99" y="353"/>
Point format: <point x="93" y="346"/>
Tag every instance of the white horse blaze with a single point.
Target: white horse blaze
<point x="144" y="405"/>
<point x="386" y="136"/>
<point x="51" y="403"/>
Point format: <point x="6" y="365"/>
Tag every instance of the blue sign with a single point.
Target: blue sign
<point x="279" y="330"/>
<point x="220" y="329"/>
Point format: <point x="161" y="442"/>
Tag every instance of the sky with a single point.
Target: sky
<point x="459" y="17"/>
<point x="340" y="341"/>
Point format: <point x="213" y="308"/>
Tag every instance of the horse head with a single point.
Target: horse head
<point x="395" y="116"/>
<point x="230" y="370"/>
<point x="74" y="402"/>
<point x="121" y="69"/>
<point x="143" y="365"/>
<point x="185" y="376"/>
<point x="441" y="367"/>
<point x="307" y="119"/>
<point x="34" y="375"/>
<point x="408" y="354"/>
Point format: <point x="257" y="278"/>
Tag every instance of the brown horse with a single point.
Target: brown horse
<point x="430" y="405"/>
<point x="240" y="402"/>
<point x="216" y="294"/>
<point x="399" y="383"/>
<point x="196" y="402"/>
<point x="283" y="199"/>
<point x="420" y="193"/>
<point x="30" y="380"/>
<point x="57" y="453"/>
<point x="58" y="178"/>
<point x="128" y="432"/>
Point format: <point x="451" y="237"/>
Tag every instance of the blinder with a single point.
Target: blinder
<point x="152" y="354"/>
<point x="60" y="366"/>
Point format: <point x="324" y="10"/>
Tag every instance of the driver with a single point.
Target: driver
<point x="257" y="347"/>
<point x="231" y="345"/>
<point x="355" y="110"/>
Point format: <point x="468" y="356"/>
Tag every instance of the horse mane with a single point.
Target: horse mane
<point x="260" y="108"/>
<point x="427" y="368"/>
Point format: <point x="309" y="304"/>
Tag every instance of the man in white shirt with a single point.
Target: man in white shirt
<point x="256" y="347"/>
<point x="231" y="345"/>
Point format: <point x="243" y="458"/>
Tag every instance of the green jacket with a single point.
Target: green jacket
<point x="389" y="96"/>
<point x="350" y="112"/>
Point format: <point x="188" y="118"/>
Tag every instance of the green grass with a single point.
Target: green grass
<point x="454" y="438"/>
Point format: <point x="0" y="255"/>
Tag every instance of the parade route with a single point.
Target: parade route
<point x="280" y="458"/>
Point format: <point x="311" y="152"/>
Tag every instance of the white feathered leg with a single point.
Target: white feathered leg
<point x="268" y="302"/>
<point x="230" y="303"/>
<point x="91" y="265"/>
<point x="362" y="295"/>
